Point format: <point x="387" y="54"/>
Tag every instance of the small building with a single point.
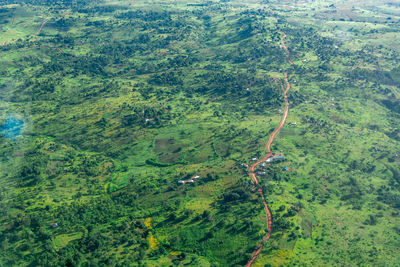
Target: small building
<point x="286" y="168"/>
<point x="54" y="224"/>
<point x="181" y="182"/>
<point x="279" y="158"/>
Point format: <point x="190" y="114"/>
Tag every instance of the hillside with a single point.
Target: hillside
<point x="106" y="105"/>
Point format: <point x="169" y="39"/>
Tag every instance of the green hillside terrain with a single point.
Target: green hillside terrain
<point x="109" y="110"/>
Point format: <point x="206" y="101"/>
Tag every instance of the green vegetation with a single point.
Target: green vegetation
<point x="106" y="105"/>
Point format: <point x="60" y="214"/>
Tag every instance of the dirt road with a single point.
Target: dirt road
<point x="286" y="49"/>
<point x="269" y="154"/>
<point x="41" y="26"/>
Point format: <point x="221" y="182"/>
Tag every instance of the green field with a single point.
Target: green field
<point x="111" y="103"/>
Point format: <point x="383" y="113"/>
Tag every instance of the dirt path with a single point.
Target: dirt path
<point x="41" y="26"/>
<point x="286" y="49"/>
<point x="47" y="20"/>
<point x="269" y="154"/>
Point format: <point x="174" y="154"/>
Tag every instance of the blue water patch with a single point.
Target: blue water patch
<point x="11" y="127"/>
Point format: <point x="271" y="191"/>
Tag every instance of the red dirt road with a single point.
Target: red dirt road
<point x="286" y="49"/>
<point x="41" y="27"/>
<point x="44" y="23"/>
<point x="269" y="154"/>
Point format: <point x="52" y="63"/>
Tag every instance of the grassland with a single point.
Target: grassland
<point x="143" y="95"/>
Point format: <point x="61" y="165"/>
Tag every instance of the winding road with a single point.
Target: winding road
<point x="38" y="32"/>
<point x="269" y="154"/>
<point x="286" y="49"/>
<point x="44" y="23"/>
<point x="41" y="26"/>
<point x="40" y="29"/>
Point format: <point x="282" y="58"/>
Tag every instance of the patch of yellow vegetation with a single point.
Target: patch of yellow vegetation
<point x="176" y="253"/>
<point x="147" y="223"/>
<point x="153" y="242"/>
<point x="106" y="186"/>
